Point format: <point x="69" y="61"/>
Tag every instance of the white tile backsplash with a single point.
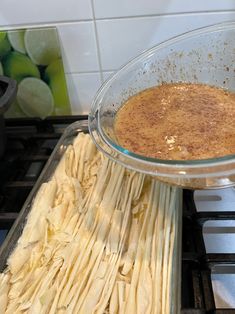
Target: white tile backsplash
<point x="120" y="8"/>
<point x="79" y="47"/>
<point x="14" y="12"/>
<point x="122" y="39"/>
<point x="82" y="88"/>
<point x="123" y="29"/>
<point x="107" y="74"/>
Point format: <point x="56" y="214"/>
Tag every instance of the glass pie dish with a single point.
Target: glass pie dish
<point x="204" y="56"/>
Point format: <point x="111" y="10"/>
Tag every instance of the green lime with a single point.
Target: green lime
<point x="42" y="45"/>
<point x="1" y="69"/>
<point x="55" y="77"/>
<point x="5" y="46"/>
<point x="2" y="35"/>
<point x="35" y="98"/>
<point x="18" y="66"/>
<point x="14" y="111"/>
<point x="16" y="39"/>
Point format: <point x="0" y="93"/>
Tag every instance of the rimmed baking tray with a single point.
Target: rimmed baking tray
<point x="16" y="230"/>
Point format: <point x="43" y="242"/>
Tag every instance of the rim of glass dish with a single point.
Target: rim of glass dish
<point x="96" y="103"/>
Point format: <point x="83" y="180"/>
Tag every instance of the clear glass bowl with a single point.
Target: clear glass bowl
<point x="205" y="55"/>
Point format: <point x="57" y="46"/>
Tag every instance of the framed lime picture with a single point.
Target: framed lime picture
<point x="33" y="58"/>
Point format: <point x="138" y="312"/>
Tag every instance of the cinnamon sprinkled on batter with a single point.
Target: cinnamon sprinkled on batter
<point x="180" y="121"/>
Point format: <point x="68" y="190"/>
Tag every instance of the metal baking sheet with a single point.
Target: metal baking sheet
<point x="66" y="139"/>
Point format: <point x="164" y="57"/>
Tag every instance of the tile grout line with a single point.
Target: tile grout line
<point x="42" y="24"/>
<point x="61" y="23"/>
<point x="163" y="14"/>
<point x="89" y="72"/>
<point x="97" y="42"/>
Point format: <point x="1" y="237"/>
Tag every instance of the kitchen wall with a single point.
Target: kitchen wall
<point x="98" y="36"/>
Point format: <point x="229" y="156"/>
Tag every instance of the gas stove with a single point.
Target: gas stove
<point x="208" y="257"/>
<point x="208" y="241"/>
<point x="30" y="143"/>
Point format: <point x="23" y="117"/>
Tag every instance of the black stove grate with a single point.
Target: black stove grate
<point x="31" y="142"/>
<point x="197" y="265"/>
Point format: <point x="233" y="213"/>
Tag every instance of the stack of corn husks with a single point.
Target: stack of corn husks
<point x="99" y="239"/>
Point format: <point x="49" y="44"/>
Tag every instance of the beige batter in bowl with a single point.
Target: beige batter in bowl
<point x="204" y="56"/>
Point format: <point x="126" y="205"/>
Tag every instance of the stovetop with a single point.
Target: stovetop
<point x="30" y="142"/>
<point x="208" y="255"/>
<point x="208" y="242"/>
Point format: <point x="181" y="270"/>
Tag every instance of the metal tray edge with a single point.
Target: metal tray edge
<point x="16" y="230"/>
